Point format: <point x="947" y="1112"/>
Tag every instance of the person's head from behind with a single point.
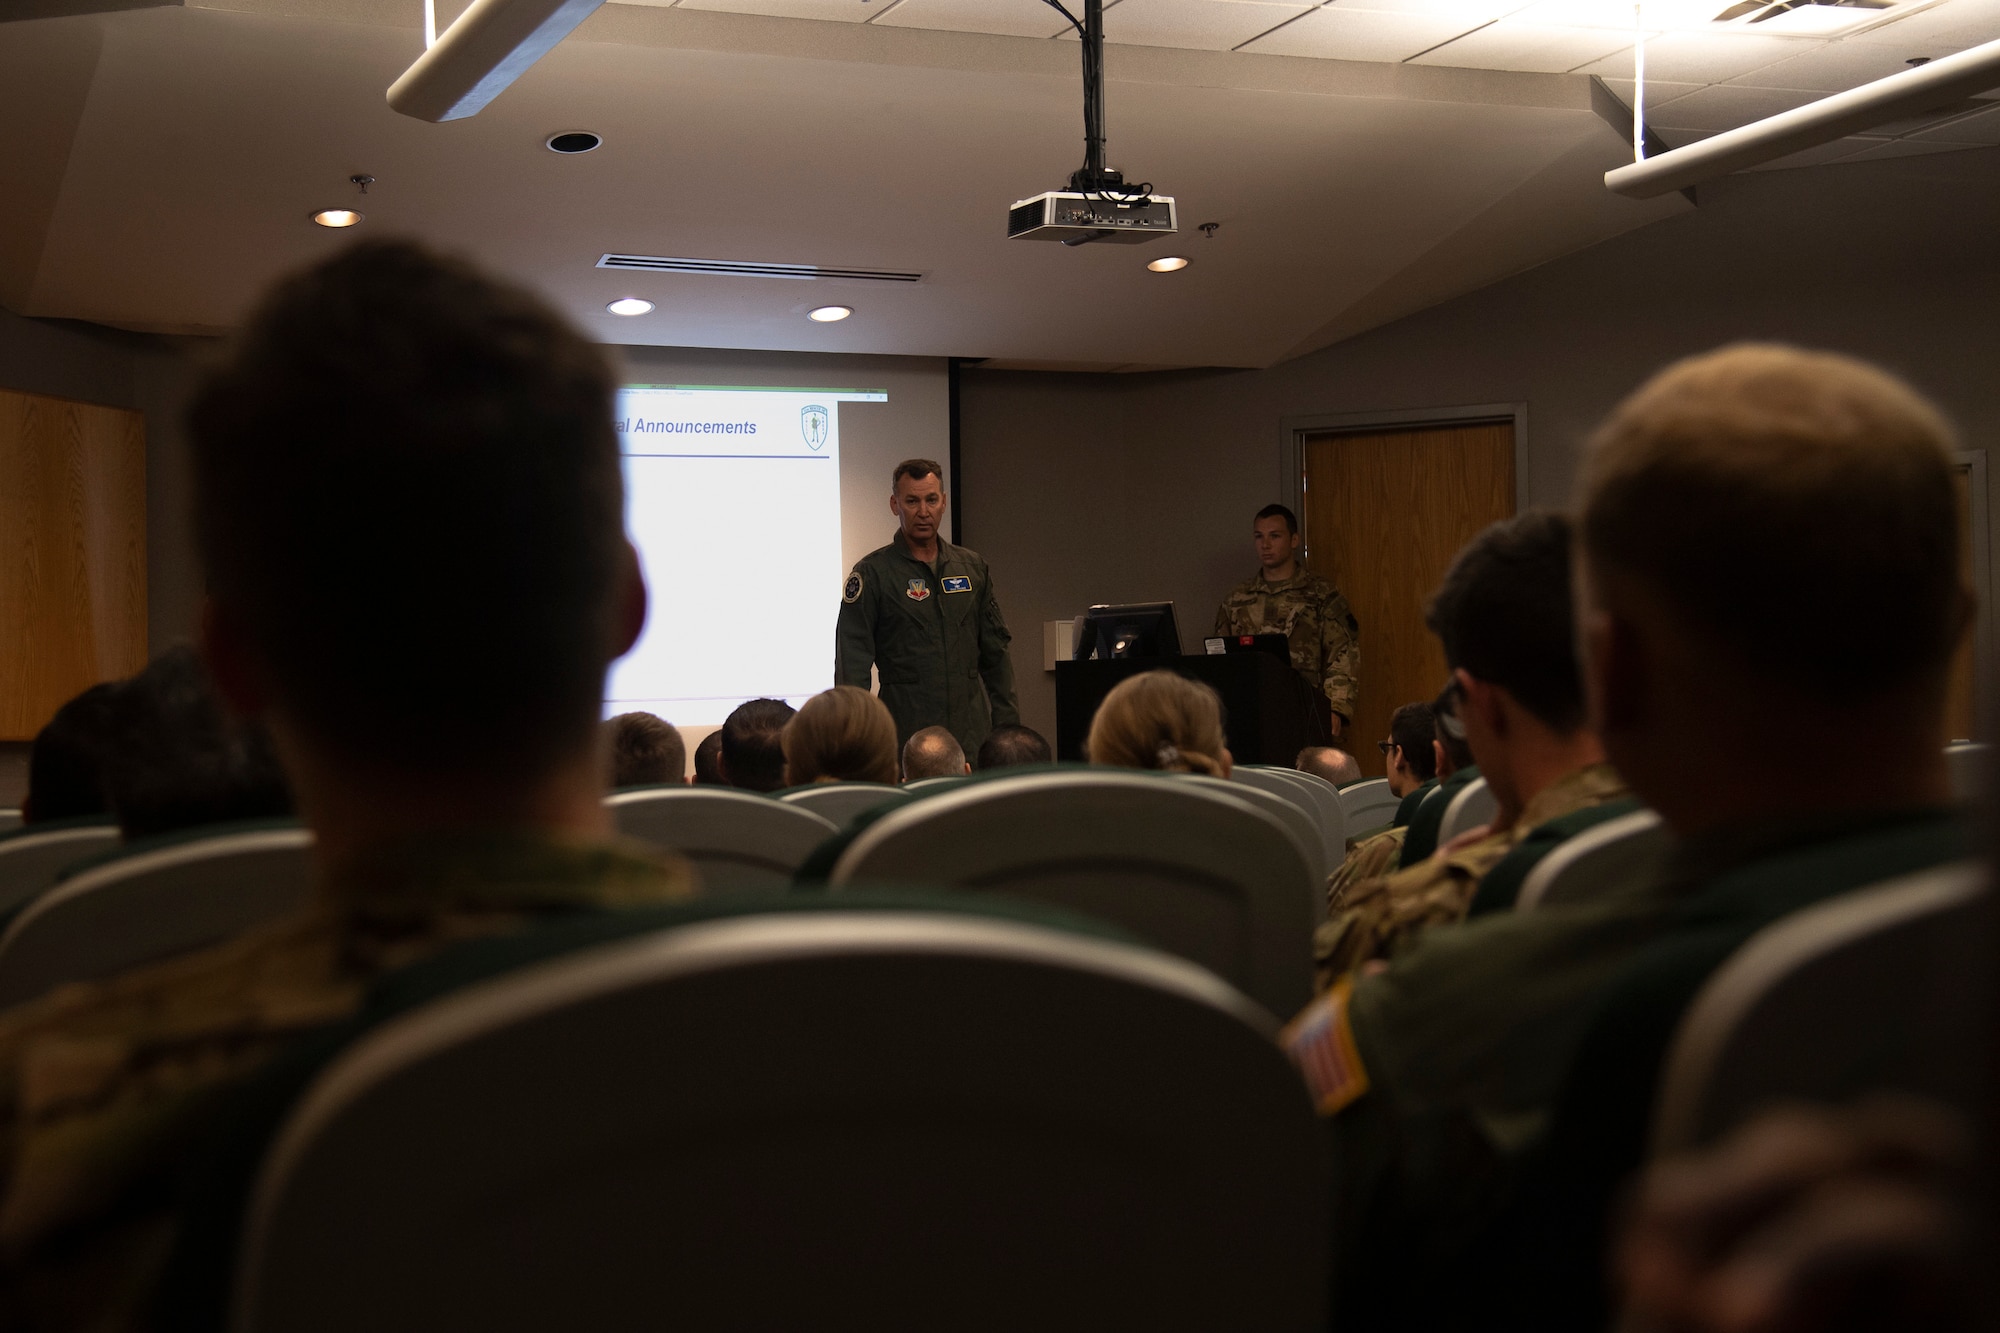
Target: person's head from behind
<point x="66" y="762"/>
<point x="1504" y="617"/>
<point x="645" y="749"/>
<point x="752" y="751"/>
<point x="180" y="760"/>
<point x="933" y="753"/>
<point x="1160" y="720"/>
<point x="1449" y="752"/>
<point x="1410" y="753"/>
<point x="708" y="760"/>
<point x="1011" y="747"/>
<point x="917" y="499"/>
<point x="410" y="510"/>
<point x="1771" y="546"/>
<point x="1330" y="762"/>
<point x="841" y="735"/>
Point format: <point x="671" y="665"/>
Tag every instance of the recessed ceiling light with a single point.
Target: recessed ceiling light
<point x="1169" y="264"/>
<point x="827" y="314"/>
<point x="336" y="217"/>
<point x="629" y="305"/>
<point x="575" y="141"/>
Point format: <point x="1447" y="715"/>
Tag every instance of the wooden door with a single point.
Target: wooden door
<point x="1962" y="700"/>
<point x="72" y="553"/>
<point x="1384" y="513"/>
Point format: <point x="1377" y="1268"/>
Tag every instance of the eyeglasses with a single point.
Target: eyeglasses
<point x="1385" y="746"/>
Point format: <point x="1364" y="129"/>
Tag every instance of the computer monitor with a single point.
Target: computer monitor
<point x="1137" y="629"/>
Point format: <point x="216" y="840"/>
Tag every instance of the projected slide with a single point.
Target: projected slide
<point x="733" y="498"/>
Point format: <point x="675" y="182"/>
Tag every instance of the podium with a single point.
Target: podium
<point x="1267" y="706"/>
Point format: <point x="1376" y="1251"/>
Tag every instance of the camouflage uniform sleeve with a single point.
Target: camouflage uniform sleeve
<point x="1341" y="671"/>
<point x="996" y="666"/>
<point x="854" y="634"/>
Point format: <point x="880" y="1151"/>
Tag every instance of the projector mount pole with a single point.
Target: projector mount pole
<point x="1094" y="177"/>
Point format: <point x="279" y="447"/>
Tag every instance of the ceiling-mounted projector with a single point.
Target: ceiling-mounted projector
<point x="1098" y="205"/>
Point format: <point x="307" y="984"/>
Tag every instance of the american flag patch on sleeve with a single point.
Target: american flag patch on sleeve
<point x="1321" y="1043"/>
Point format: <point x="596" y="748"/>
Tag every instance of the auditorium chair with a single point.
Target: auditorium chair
<point x="884" y="1120"/>
<point x="922" y="785"/>
<point x="152" y="900"/>
<point x="1615" y="852"/>
<point x="1472" y="806"/>
<point x="1191" y="867"/>
<point x="1369" y="806"/>
<point x="9" y="820"/>
<point x="737" y="840"/>
<point x="1288" y="807"/>
<point x="838" y="802"/>
<point x="1318" y="797"/>
<point x="1968" y="762"/>
<point x="33" y="856"/>
<point x="1868" y="991"/>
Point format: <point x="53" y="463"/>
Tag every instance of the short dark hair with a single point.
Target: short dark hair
<point x="705" y="754"/>
<point x="66" y="762"/>
<point x="645" y="749"/>
<point x="1412" y="728"/>
<point x="916" y="469"/>
<point x="1450" y="734"/>
<point x="1503" y="613"/>
<point x="406" y="477"/>
<point x="1009" y="747"/>
<point x="181" y="760"/>
<point x="1280" y="511"/>
<point x="753" y="751"/>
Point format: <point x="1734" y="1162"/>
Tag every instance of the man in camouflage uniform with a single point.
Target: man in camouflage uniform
<point x="1284" y="598"/>
<point x="449" y="801"/>
<point x="922" y="612"/>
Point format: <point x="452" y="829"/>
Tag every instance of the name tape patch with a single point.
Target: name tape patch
<point x="957" y="585"/>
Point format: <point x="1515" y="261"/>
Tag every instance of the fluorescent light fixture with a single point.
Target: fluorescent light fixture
<point x="630" y="305"/>
<point x="484" y="50"/>
<point x="828" y="314"/>
<point x="1816" y="20"/>
<point x="1169" y="264"/>
<point x="336" y="217"/>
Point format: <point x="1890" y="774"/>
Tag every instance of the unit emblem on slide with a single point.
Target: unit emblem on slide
<point x="957" y="584"/>
<point x="852" y="592"/>
<point x="814" y="421"/>
<point x="918" y="590"/>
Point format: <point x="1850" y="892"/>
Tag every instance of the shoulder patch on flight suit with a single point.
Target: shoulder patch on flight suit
<point x="1320" y="1042"/>
<point x="957" y="583"/>
<point x="852" y="592"/>
<point x="918" y="590"/>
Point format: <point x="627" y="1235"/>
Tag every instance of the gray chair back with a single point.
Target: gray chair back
<point x="9" y="820"/>
<point x="1863" y="992"/>
<point x="1968" y="762"/>
<point x="1319" y="798"/>
<point x="1286" y="804"/>
<point x="1370" y="806"/>
<point x="879" y="1119"/>
<point x="31" y="861"/>
<point x="1472" y="806"/>
<point x="737" y="840"/>
<point x="153" y="904"/>
<point x="839" y="802"/>
<point x="1615" y="852"/>
<point x="1189" y="867"/>
<point x="927" y="784"/>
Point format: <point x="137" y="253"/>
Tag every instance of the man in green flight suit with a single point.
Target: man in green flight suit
<point x="922" y="611"/>
<point x="1283" y="597"/>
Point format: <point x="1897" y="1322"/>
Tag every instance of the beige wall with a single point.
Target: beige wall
<point x="1101" y="488"/>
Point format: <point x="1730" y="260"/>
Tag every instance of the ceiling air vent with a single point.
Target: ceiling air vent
<point x="737" y="268"/>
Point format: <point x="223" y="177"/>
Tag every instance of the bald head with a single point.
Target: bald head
<point x="1326" y="761"/>
<point x="933" y="753"/>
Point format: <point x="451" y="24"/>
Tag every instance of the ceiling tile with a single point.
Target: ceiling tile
<point x="1007" y="18"/>
<point x="1938" y="30"/>
<point x="1725" y="106"/>
<point x="1206" y="25"/>
<point x="1832" y="68"/>
<point x="1982" y="127"/>
<point x="1658" y="91"/>
<point x="1468" y="12"/>
<point x="1836" y="151"/>
<point x="1908" y="148"/>
<point x="1528" y="47"/>
<point x="1689" y="57"/>
<point x="842" y="11"/>
<point x="1338" y="33"/>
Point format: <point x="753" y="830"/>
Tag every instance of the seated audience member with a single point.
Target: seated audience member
<point x="1163" y="721"/>
<point x="645" y="750"/>
<point x="708" y="761"/>
<point x="1330" y="762"/>
<point x="933" y="753"/>
<point x="1010" y="747"/>
<point x="181" y="760"/>
<point x="1411" y="757"/>
<point x="751" y="755"/>
<point x="362" y="581"/>
<point x="1455" y="772"/>
<point x="1817" y="484"/>
<point x="844" y="734"/>
<point x="1503" y="615"/>
<point x="66" y="762"/>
